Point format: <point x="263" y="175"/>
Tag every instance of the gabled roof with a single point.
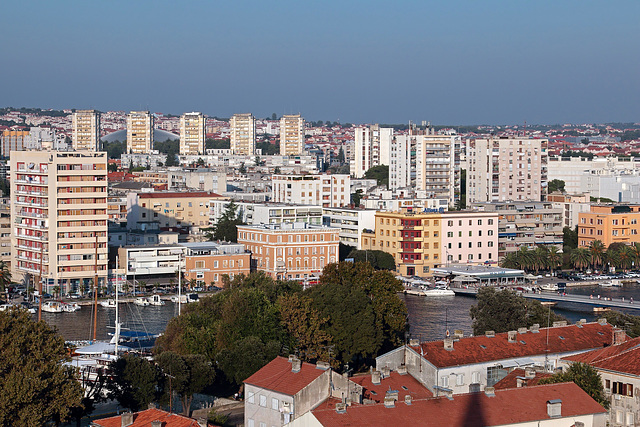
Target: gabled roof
<point x="278" y="376"/>
<point x="404" y="384"/>
<point x="479" y="349"/>
<point x="511" y="406"/>
<point x="144" y="419"/>
<point x="511" y="380"/>
<point x="623" y="358"/>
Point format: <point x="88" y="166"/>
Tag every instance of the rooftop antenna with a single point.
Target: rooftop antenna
<point x="525" y="128"/>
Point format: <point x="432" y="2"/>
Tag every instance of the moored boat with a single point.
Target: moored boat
<point x="52" y="307"/>
<point x="108" y="303"/>
<point x="155" y="300"/>
<point x="142" y="301"/>
<point x="439" y="291"/>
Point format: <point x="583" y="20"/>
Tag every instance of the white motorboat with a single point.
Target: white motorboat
<point x="142" y="301"/>
<point x="552" y="287"/>
<point x="607" y="284"/>
<point x="155" y="300"/>
<point x="70" y="307"/>
<point x="27" y="306"/>
<point x="439" y="291"/>
<point x="108" y="303"/>
<point x="5" y="307"/>
<point x="52" y="307"/>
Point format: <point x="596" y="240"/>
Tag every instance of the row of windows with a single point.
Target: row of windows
<point x="489" y="233"/>
<point x="489" y="222"/>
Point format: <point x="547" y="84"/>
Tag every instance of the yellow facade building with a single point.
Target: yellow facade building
<point x="609" y="224"/>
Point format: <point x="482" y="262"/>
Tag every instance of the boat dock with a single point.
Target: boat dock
<point x="551" y="296"/>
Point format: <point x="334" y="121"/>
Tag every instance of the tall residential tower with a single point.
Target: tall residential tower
<point x="192" y="134"/>
<point x="139" y="132"/>
<point x="243" y="134"/>
<point x="86" y="130"/>
<point x="291" y="135"/>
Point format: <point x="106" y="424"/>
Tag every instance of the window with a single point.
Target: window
<point x="251" y="397"/>
<point x="274" y="403"/>
<point x="263" y="400"/>
<point x="263" y="424"/>
<point x="199" y="264"/>
<point x="490" y="222"/>
<point x="250" y="423"/>
<point x="450" y="234"/>
<point x="475" y="377"/>
<point x="215" y="264"/>
<point x="460" y="379"/>
<point x="444" y="381"/>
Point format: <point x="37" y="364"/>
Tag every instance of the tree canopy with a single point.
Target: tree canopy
<point x="505" y="310"/>
<point x="134" y="382"/>
<point x="556" y="185"/>
<point x="34" y="384"/>
<point x="379" y="173"/>
<point x="379" y="260"/>
<point x="226" y="229"/>
<point x="586" y="377"/>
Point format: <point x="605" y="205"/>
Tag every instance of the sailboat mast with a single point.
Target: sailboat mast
<point x="117" y="330"/>
<point x="95" y="291"/>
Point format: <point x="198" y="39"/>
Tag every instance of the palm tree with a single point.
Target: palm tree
<point x="554" y="259"/>
<point x="598" y="252"/>
<point x="525" y="258"/>
<point x="5" y="277"/>
<point x="624" y="258"/>
<point x="510" y="260"/>
<point x="635" y="251"/>
<point x="580" y="258"/>
<point x="539" y="258"/>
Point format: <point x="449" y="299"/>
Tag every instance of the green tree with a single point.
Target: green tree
<point x="356" y="197"/>
<point x="586" y="377"/>
<point x="506" y="310"/>
<point x="598" y="253"/>
<point x="365" y="315"/>
<point x="554" y="258"/>
<point x="34" y="384"/>
<point x="556" y="185"/>
<point x="218" y="144"/>
<point x="246" y="356"/>
<point x="569" y="238"/>
<point x="379" y="260"/>
<point x="379" y="173"/>
<point x="580" y="258"/>
<point x="134" y="382"/>
<point x="226" y="229"/>
<point x="628" y="322"/>
<point x="5" y="277"/>
<point x="341" y="155"/>
<point x="189" y="375"/>
<point x="242" y="169"/>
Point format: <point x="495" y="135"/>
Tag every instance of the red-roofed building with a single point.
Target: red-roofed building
<point x="521" y="378"/>
<point x="619" y="368"/>
<point x="375" y="386"/>
<point x="470" y="364"/>
<point x="147" y="418"/>
<point x="563" y="404"/>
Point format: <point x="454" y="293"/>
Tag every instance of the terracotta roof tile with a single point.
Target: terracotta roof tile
<point x="511" y="380"/>
<point x="519" y="405"/>
<point x="278" y="376"/>
<point x="404" y="384"/>
<point x="478" y="349"/>
<point x="619" y="358"/>
<point x="144" y="419"/>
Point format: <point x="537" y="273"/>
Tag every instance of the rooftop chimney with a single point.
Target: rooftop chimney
<point x="458" y="333"/>
<point x="295" y="365"/>
<point x="554" y="408"/>
<point x="511" y="336"/>
<point x="375" y="378"/>
<point x="529" y="373"/>
<point x="341" y="408"/>
<point x="407" y="399"/>
<point x="322" y="365"/>
<point x="521" y="382"/>
<point x="490" y="391"/>
<point x="535" y="328"/>
<point x="602" y="321"/>
<point x="156" y="423"/>
<point x="402" y="370"/>
<point x="202" y="422"/>
<point x="385" y="371"/>
<point x="522" y="331"/>
<point x="448" y="344"/>
<point x="579" y="323"/>
<point x="390" y="398"/>
<point x="619" y="337"/>
<point x="490" y="334"/>
<point x="559" y="323"/>
<point x="414" y="342"/>
<point x="126" y="419"/>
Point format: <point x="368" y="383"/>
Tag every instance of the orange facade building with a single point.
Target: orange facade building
<point x="290" y="251"/>
<point x="609" y="224"/>
<point x="208" y="262"/>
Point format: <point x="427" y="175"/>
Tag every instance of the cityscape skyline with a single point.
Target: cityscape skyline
<point x="467" y="63"/>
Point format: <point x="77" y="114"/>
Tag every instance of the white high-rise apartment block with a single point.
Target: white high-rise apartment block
<point x="192" y="134"/>
<point x="501" y="169"/>
<point x="320" y="190"/>
<point x="86" y="130"/>
<point x="59" y="218"/>
<point x="425" y="161"/>
<point x="139" y="132"/>
<point x="243" y="134"/>
<point x="291" y="135"/>
<point x="372" y="147"/>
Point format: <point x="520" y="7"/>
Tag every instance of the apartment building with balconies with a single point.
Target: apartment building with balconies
<point x="192" y="134"/>
<point x="501" y="169"/>
<point x="609" y="224"/>
<point x="59" y="218"/>
<point x="86" y="130"/>
<point x="139" y="132"/>
<point x="372" y="146"/>
<point x="295" y="251"/>
<point x="291" y="135"/>
<point x="243" y="134"/>
<point x="13" y="140"/>
<point x="5" y="231"/>
<point x="319" y="190"/>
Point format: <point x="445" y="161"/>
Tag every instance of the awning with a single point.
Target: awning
<point x="508" y="364"/>
<point x="465" y="279"/>
<point x="97" y="348"/>
<point x="525" y="361"/>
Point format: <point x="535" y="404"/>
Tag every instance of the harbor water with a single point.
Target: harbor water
<point x="429" y="317"/>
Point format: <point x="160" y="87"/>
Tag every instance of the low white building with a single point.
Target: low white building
<point x="351" y="223"/>
<point x="318" y="190"/>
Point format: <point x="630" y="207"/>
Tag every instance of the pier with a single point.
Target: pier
<point x="578" y="299"/>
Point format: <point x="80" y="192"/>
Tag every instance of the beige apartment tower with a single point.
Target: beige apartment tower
<point x="139" y="132"/>
<point x="59" y="219"/>
<point x="243" y="134"/>
<point x="501" y="169"/>
<point x="291" y="135"/>
<point x="192" y="134"/>
<point x="86" y="130"/>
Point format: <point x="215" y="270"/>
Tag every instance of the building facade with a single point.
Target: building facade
<point x="86" y="130"/>
<point x="609" y="224"/>
<point x="192" y="134"/>
<point x="139" y="132"/>
<point x="290" y="251"/>
<point x="59" y="217"/>
<point x="351" y="222"/>
<point x="243" y="134"/>
<point x="372" y="145"/>
<point x="319" y="190"/>
<point x="572" y="206"/>
<point x="13" y="140"/>
<point x="206" y="263"/>
<point x="291" y="135"/>
<point x="5" y="231"/>
<point x="501" y="169"/>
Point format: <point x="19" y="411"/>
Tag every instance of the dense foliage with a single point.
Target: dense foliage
<point x="556" y="185"/>
<point x="134" y="382"/>
<point x="505" y="310"/>
<point x="586" y="377"/>
<point x="629" y="322"/>
<point x="226" y="228"/>
<point x="379" y="260"/>
<point x="211" y="143"/>
<point x="379" y="173"/>
<point x="34" y="384"/>
<point x="351" y="316"/>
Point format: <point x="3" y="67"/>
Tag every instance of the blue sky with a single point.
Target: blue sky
<point x="449" y="62"/>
